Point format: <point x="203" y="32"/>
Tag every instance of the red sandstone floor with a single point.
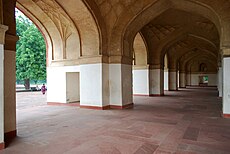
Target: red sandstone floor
<point x="187" y="121"/>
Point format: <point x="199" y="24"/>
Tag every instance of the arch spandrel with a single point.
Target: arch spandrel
<point x="225" y="43"/>
<point x="142" y="18"/>
<point x="120" y="32"/>
<point x="86" y="25"/>
<point x="164" y="31"/>
<point x="72" y="28"/>
<point x="193" y="65"/>
<point x="179" y="47"/>
<point x="65" y="26"/>
<point x="43" y="27"/>
<point x="194" y="54"/>
<point x="47" y="23"/>
<point x="221" y="7"/>
<point x="121" y="21"/>
<point x="1" y="12"/>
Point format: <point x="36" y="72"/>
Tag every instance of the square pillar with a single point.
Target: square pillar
<point x="120" y="84"/>
<point x="72" y="87"/>
<point x="156" y="82"/>
<point x="141" y="82"/>
<point x="188" y="76"/>
<point x="220" y="81"/>
<point x="173" y="75"/>
<point x="94" y="86"/>
<point x="1" y="97"/>
<point x="182" y="80"/>
<point x="226" y="87"/>
<point x="56" y="92"/>
<point x="166" y="79"/>
<point x="3" y="29"/>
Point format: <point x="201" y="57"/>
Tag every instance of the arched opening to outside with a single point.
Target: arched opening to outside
<point x="140" y="67"/>
<point x="69" y="43"/>
<point x="31" y="75"/>
<point x="30" y="55"/>
<point x="166" y="73"/>
<point x="163" y="28"/>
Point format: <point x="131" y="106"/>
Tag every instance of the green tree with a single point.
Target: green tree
<point x="30" y="53"/>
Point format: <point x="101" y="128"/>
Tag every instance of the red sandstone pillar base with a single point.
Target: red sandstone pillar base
<point x="107" y="107"/>
<point x="226" y="115"/>
<point x="2" y="146"/>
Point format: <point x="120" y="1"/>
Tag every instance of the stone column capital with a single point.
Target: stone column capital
<point x="225" y="51"/>
<point x="94" y="59"/>
<point x="182" y="71"/>
<point x="114" y="59"/>
<point x="172" y="70"/>
<point x="219" y="64"/>
<point x="220" y="68"/>
<point x="155" y="66"/>
<point x="140" y="67"/>
<point x="119" y="59"/>
<point x="3" y="30"/>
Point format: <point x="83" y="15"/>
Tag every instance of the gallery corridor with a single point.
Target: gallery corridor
<point x="185" y="121"/>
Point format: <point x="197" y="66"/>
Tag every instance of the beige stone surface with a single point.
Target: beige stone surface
<point x="3" y="30"/>
<point x="194" y="34"/>
<point x="140" y="51"/>
<point x="107" y="27"/>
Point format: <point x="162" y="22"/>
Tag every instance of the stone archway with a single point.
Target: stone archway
<point x="70" y="42"/>
<point x="166" y="80"/>
<point x="140" y="67"/>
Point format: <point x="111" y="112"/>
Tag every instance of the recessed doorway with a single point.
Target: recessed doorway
<point x="203" y="80"/>
<point x="72" y="87"/>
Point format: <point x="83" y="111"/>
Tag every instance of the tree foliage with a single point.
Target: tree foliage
<point x="31" y="51"/>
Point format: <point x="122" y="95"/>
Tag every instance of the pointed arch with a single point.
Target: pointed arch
<point x="124" y="31"/>
<point x="72" y="33"/>
<point x="140" y="50"/>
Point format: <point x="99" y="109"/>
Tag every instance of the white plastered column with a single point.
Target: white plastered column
<point x="220" y="81"/>
<point x="1" y="94"/>
<point x="226" y="86"/>
<point x="173" y="85"/>
<point x="104" y="86"/>
<point x="156" y="82"/>
<point x="166" y="79"/>
<point x="182" y="80"/>
<point x="141" y="81"/>
<point x="94" y="85"/>
<point x="188" y="83"/>
<point x="120" y="84"/>
<point x="2" y="38"/>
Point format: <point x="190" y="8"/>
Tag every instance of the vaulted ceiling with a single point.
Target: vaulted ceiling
<point x="177" y="33"/>
<point x="108" y="28"/>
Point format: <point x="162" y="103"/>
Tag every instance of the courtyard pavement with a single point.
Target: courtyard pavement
<point x="186" y="121"/>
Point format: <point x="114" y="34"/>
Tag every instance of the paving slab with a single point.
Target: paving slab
<point x="185" y="121"/>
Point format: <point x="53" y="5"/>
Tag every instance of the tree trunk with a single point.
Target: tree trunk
<point x="27" y="84"/>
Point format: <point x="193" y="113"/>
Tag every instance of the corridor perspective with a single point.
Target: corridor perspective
<point x="122" y="76"/>
<point x="187" y="121"/>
